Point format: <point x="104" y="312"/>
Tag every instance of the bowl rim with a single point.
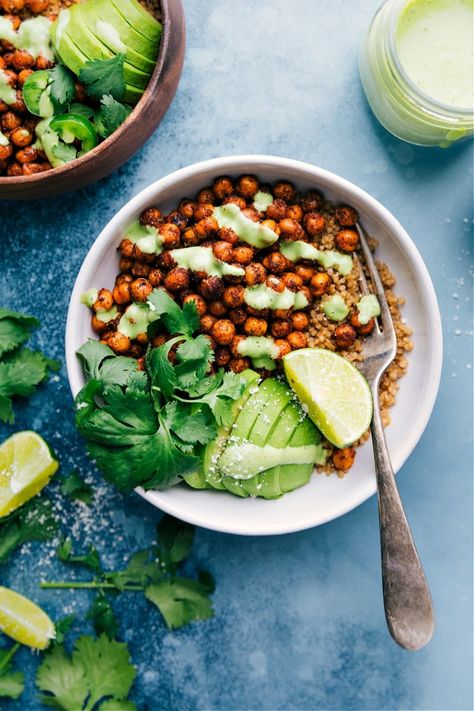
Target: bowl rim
<point x="243" y="163"/>
<point x="100" y="148"/>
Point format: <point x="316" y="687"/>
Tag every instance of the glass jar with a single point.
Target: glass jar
<point x="400" y="106"/>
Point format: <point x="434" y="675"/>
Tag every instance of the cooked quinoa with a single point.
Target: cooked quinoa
<point x="227" y="316"/>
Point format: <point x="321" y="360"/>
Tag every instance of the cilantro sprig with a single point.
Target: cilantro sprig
<point x="34" y="521"/>
<point x="21" y="369"/>
<point x="155" y="572"/>
<point x="104" y="77"/>
<point x="12" y="681"/>
<point x="149" y="428"/>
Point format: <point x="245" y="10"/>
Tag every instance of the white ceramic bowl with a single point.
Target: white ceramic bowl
<point x="324" y="498"/>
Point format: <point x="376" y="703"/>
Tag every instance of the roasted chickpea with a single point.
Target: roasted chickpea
<point x="290" y="229"/>
<point x="140" y="289"/>
<point x="314" y="223"/>
<point x="43" y="63"/>
<point x="126" y="247"/>
<point x="299" y="321"/>
<point x="284" y="191"/>
<point x="14" y="169"/>
<point x="255" y="326"/>
<point x="122" y="293"/>
<point x="166" y="260"/>
<point x="251" y="213"/>
<point x="140" y="270"/>
<point x="272" y="225"/>
<point x="363" y="328"/>
<point x="13" y="6"/>
<point x="187" y="208"/>
<point x="206" y="196"/>
<point x="136" y="351"/>
<point x="207" y="322"/>
<point x="297" y="339"/>
<point x="10" y="121"/>
<point x="38" y="6"/>
<point x="155" y="277"/>
<point x="222" y="187"/>
<point x="32" y="168"/>
<point x="125" y="264"/>
<point x="304" y="271"/>
<point x="294" y="212"/>
<point x="277" y="210"/>
<point x="177" y="279"/>
<point x="280" y="329"/>
<point x="142" y="339"/>
<point x="217" y="308"/>
<point x="22" y="60"/>
<point x="212" y="287"/>
<point x="176" y="218"/>
<point x="226" y="234"/>
<point x="223" y="251"/>
<point x="261" y="313"/>
<point x="222" y="357"/>
<point x="5" y="152"/>
<point x="223" y="332"/>
<point x="23" y="76"/>
<point x="158" y="340"/>
<point x="283" y="346"/>
<point x="21" y="138"/>
<point x="170" y="234"/>
<point x="119" y="343"/>
<point x="312" y="201"/>
<point x="275" y="283"/>
<point x="343" y="459"/>
<point x="27" y="155"/>
<point x="319" y="283"/>
<point x="247" y="186"/>
<point x="198" y="301"/>
<point x="238" y="316"/>
<point x="190" y="238"/>
<point x="203" y="210"/>
<point x="346" y="216"/>
<point x="18" y="105"/>
<point x="275" y="262"/>
<point x="104" y="301"/>
<point x="123" y="279"/>
<point x="206" y="227"/>
<point x="235" y="200"/>
<point x="234" y="346"/>
<point x="344" y="335"/>
<point x="98" y="325"/>
<point x="238" y="365"/>
<point x="255" y="273"/>
<point x="233" y="296"/>
<point x="243" y="255"/>
<point x="347" y="240"/>
<point x="292" y="281"/>
<point x="79" y="92"/>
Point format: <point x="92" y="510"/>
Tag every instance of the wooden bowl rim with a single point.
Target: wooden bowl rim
<point x="147" y="96"/>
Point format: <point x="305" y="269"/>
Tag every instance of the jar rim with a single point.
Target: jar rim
<point x="430" y="102"/>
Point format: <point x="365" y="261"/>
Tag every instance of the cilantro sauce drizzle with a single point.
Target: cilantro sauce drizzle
<point x="202" y="259"/>
<point x="264" y="297"/>
<point x="254" y="233"/>
<point x="294" y="251"/>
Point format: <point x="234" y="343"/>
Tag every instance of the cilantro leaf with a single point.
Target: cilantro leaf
<point x="91" y="559"/>
<point x="12" y="683"/>
<point x="175" y="319"/>
<point x="15" y="329"/>
<point x="176" y="539"/>
<point x="110" y="116"/>
<point x="180" y="601"/>
<point x="34" y="521"/>
<point x="65" y="152"/>
<point x="98" y="669"/>
<point x="188" y="424"/>
<point x="226" y="387"/>
<point x="62" y="84"/>
<point x="117" y="705"/>
<point x="100" y="363"/>
<point x="62" y="627"/>
<point x="83" y="110"/>
<point x="77" y="489"/>
<point x="102" y="616"/>
<point x="20" y="372"/>
<point x="161" y="371"/>
<point x="104" y="77"/>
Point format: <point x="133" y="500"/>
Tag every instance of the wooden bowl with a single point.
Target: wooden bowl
<point x="132" y="134"/>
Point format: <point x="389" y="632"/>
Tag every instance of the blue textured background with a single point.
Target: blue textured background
<point x="299" y="620"/>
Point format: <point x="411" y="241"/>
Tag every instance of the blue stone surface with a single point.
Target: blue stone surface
<point x="299" y="619"/>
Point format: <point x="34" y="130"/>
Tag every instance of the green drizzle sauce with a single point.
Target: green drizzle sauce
<point x="297" y="250"/>
<point x="202" y="259"/>
<point x="254" y="233"/>
<point x="263" y="297"/>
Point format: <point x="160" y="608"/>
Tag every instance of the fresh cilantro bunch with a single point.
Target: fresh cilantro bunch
<point x="154" y="571"/>
<point x="148" y="428"/>
<point x="21" y="369"/>
<point x="97" y="675"/>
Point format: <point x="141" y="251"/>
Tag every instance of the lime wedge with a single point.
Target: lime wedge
<point x="335" y="393"/>
<point x="26" y="466"/>
<point x="24" y="621"/>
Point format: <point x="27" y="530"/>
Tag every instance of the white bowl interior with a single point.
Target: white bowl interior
<point x="324" y="498"/>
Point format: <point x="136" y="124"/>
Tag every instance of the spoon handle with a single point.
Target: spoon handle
<point x="407" y="600"/>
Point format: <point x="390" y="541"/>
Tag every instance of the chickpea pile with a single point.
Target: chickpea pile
<point x="224" y="316"/>
<point x="19" y="156"/>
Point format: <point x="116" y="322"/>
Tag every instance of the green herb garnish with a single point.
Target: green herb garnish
<point x="110" y="116"/>
<point x="34" y="521"/>
<point x="76" y="488"/>
<point x="62" y="83"/>
<point x="104" y="76"/>
<point x="12" y="681"/>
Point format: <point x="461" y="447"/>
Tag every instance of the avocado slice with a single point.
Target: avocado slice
<point x="106" y="10"/>
<point x="82" y="36"/>
<point x="140" y="19"/>
<point x="109" y="36"/>
<point x="292" y="477"/>
<point x="75" y="59"/>
<point x="213" y="449"/>
<point x="196" y="480"/>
